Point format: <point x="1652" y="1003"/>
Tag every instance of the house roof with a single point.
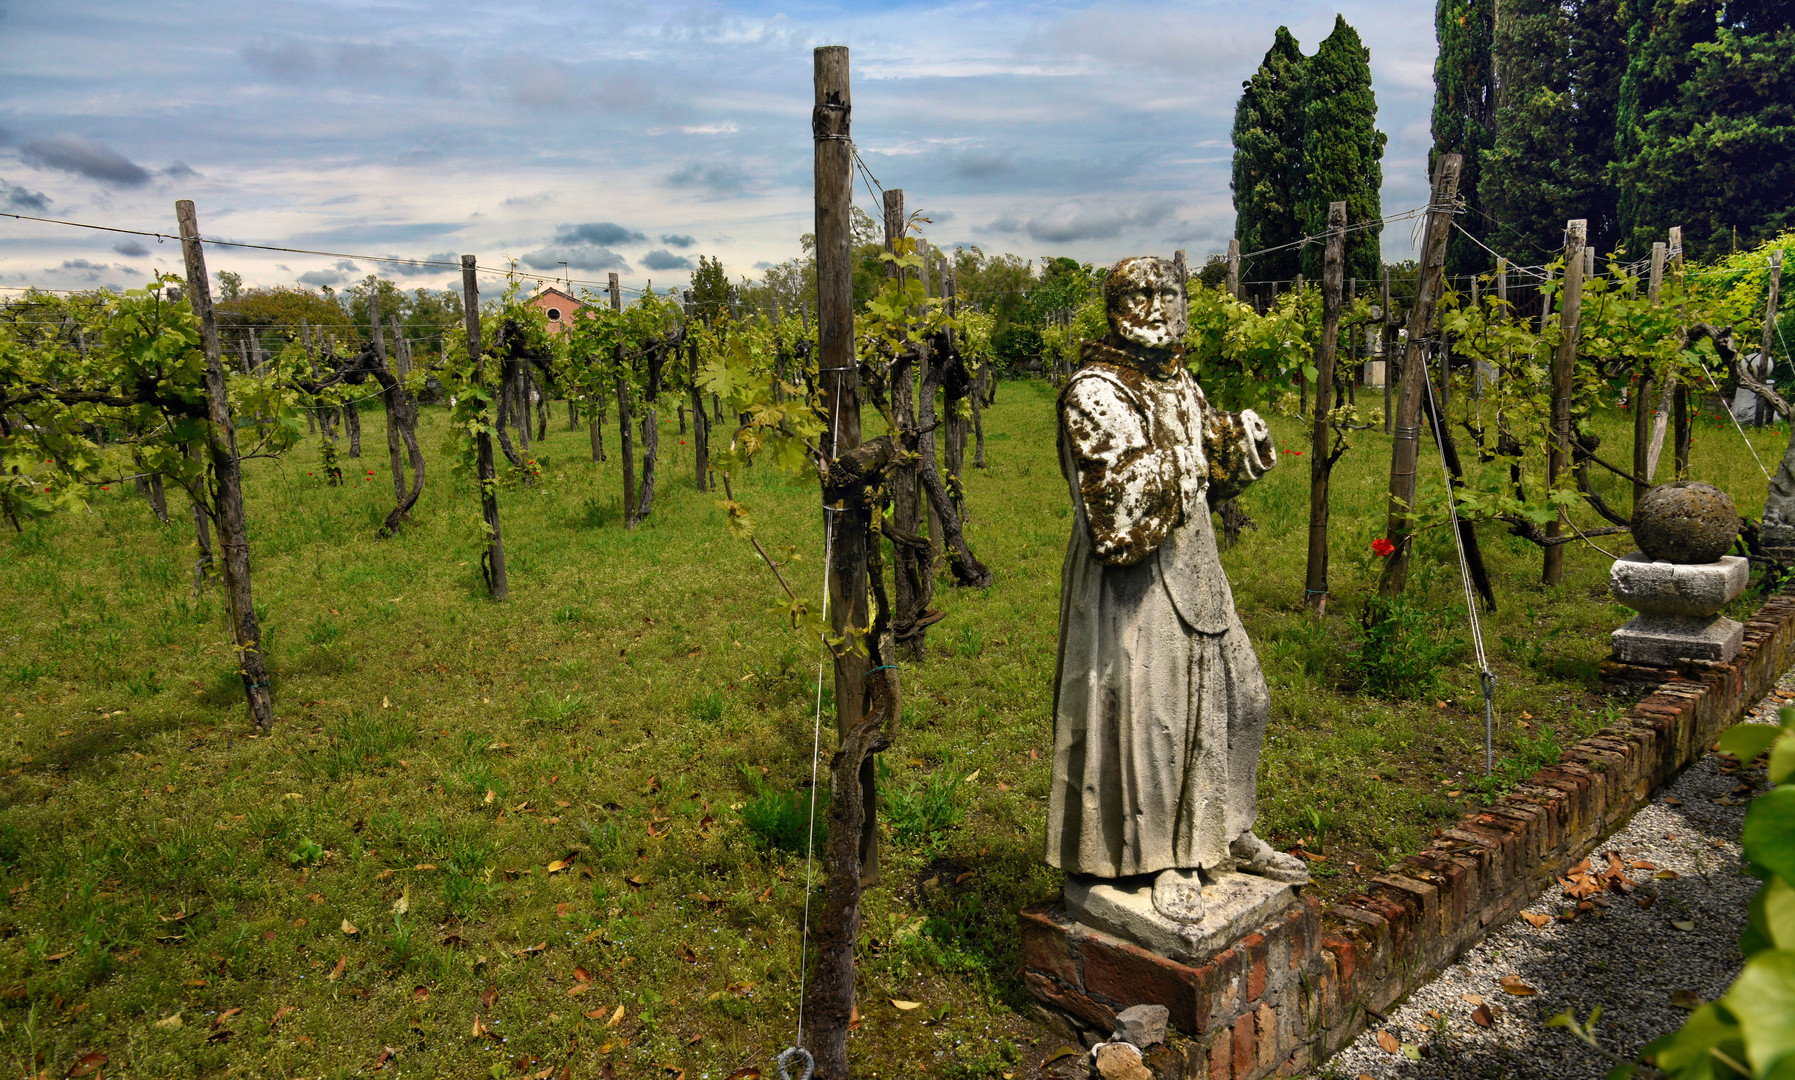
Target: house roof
<point x="550" y="290"/>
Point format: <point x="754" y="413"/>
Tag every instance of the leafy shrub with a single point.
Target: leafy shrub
<point x="781" y="819"/>
<point x="1403" y="648"/>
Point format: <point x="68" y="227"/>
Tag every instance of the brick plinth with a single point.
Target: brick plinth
<point x="1282" y="999"/>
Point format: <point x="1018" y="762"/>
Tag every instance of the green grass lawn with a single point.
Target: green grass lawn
<point x="555" y="790"/>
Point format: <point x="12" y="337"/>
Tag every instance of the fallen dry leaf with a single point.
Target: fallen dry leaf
<point x="420" y="993"/>
<point x="578" y="988"/>
<point x="905" y="1006"/>
<point x="1471" y="999"/>
<point x="169" y="1021"/>
<point x="1685" y="925"/>
<point x="350" y="928"/>
<point x="749" y="1073"/>
<point x="1514" y="985"/>
<point x="1481" y="1016"/>
<point x="1667" y="875"/>
<point x="1686" y="999"/>
<point x="337" y="972"/>
<point x="616" y="1018"/>
<point x="557" y="866"/>
<point x="221" y="1018"/>
<point x="280" y="1014"/>
<point x="88" y="1062"/>
<point x="491" y="995"/>
<point x="386" y="1055"/>
<point x="1388" y="1042"/>
<point x="582" y="975"/>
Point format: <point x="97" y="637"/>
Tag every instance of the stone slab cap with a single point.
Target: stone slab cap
<point x="1690" y="589"/>
<point x="1664" y="640"/>
<point x="1142" y="1025"/>
<point x="1233" y="906"/>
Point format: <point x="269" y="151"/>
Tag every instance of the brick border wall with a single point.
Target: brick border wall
<point x="1283" y="999"/>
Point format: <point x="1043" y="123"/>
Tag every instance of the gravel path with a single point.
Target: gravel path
<point x="1643" y="956"/>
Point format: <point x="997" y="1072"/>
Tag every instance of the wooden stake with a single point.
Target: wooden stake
<point x="1320" y="462"/>
<point x="1563" y="369"/>
<point x="847" y="524"/>
<point x="1405" y="447"/>
<point x="227" y="473"/>
<point x="493" y="561"/>
<point x="1771" y="287"/>
<point x="1234" y="267"/>
<point x="1387" y="349"/>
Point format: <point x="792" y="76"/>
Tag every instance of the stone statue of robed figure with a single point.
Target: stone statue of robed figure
<point x="1160" y="706"/>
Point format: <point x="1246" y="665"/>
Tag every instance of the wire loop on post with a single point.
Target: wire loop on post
<point x="791" y="1052"/>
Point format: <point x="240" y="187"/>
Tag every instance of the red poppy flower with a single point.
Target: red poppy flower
<point x="103" y="487"/>
<point x="1383" y="547"/>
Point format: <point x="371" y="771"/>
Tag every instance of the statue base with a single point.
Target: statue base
<point x="1666" y="640"/>
<point x="1234" y="905"/>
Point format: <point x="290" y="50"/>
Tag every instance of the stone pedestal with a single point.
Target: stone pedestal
<point x="1678" y="605"/>
<point x="1233" y="906"/>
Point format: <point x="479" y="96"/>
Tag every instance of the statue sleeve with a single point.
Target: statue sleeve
<point x="1240" y="450"/>
<point x="1129" y="488"/>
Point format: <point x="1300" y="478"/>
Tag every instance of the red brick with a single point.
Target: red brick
<point x="1265" y="1025"/>
<point x="1420" y="898"/>
<point x="1254" y="947"/>
<point x="1126" y="974"/>
<point x="1221" y="1056"/>
<point x="1345" y="960"/>
<point x="1067" y="1000"/>
<point x="1047" y="947"/>
<point x="1243" y="1047"/>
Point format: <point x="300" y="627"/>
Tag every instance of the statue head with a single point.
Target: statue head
<point x="1146" y="305"/>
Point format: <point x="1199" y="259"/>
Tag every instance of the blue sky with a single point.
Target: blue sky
<point x="633" y="136"/>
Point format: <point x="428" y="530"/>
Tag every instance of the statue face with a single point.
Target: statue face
<point x="1146" y="304"/>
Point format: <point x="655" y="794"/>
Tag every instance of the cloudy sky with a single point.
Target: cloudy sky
<point x="633" y="137"/>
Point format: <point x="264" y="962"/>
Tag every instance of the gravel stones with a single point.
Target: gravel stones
<point x="1686" y="521"/>
<point x="1644" y="964"/>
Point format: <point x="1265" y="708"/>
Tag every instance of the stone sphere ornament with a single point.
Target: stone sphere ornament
<point x="1685" y="521"/>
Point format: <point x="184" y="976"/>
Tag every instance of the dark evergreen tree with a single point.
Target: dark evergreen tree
<point x="1464" y="116"/>
<point x="1268" y="126"/>
<point x="1558" y="65"/>
<point x="1342" y="151"/>
<point x="1707" y="123"/>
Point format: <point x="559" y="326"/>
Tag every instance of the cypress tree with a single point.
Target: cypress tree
<point x="1464" y="115"/>
<point x="1342" y="151"/>
<point x="1707" y="120"/>
<point x="1268" y="125"/>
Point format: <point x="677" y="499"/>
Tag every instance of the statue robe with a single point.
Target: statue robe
<point x="1160" y="706"/>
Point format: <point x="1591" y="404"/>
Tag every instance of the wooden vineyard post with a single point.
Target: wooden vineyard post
<point x="701" y="424"/>
<point x="227" y="479"/>
<point x="914" y="564"/>
<point x="851" y="866"/>
<point x="493" y="560"/>
<point x="1647" y="447"/>
<point x="1315" y="591"/>
<point x="1406" y="445"/>
<point x="1387" y="343"/>
<point x="392" y="432"/>
<point x="1681" y="405"/>
<point x="1563" y="368"/>
<point x="1234" y="267"/>
<point x="1771" y="287"/>
<point x="626" y="447"/>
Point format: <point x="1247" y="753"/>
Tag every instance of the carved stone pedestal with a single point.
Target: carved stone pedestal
<point x="1678" y="605"/>
<point x="1242" y="1001"/>
<point x="1234" y="906"/>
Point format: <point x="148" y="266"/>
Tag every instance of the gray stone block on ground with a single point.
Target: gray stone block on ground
<point x="1142" y="1025"/>
<point x="1664" y="640"/>
<point x="1665" y="588"/>
<point x="1234" y="905"/>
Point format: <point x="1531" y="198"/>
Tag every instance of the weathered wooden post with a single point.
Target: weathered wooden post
<point x="1386" y="342"/>
<point x="227" y="472"/>
<point x="1647" y="448"/>
<point x="392" y="432"/>
<point x="1234" y="267"/>
<point x="1564" y="368"/>
<point x="701" y="424"/>
<point x="1771" y="287"/>
<point x="626" y="447"/>
<point x="1405" y="447"/>
<point x="1681" y="409"/>
<point x="1315" y="589"/>
<point x="497" y="585"/>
